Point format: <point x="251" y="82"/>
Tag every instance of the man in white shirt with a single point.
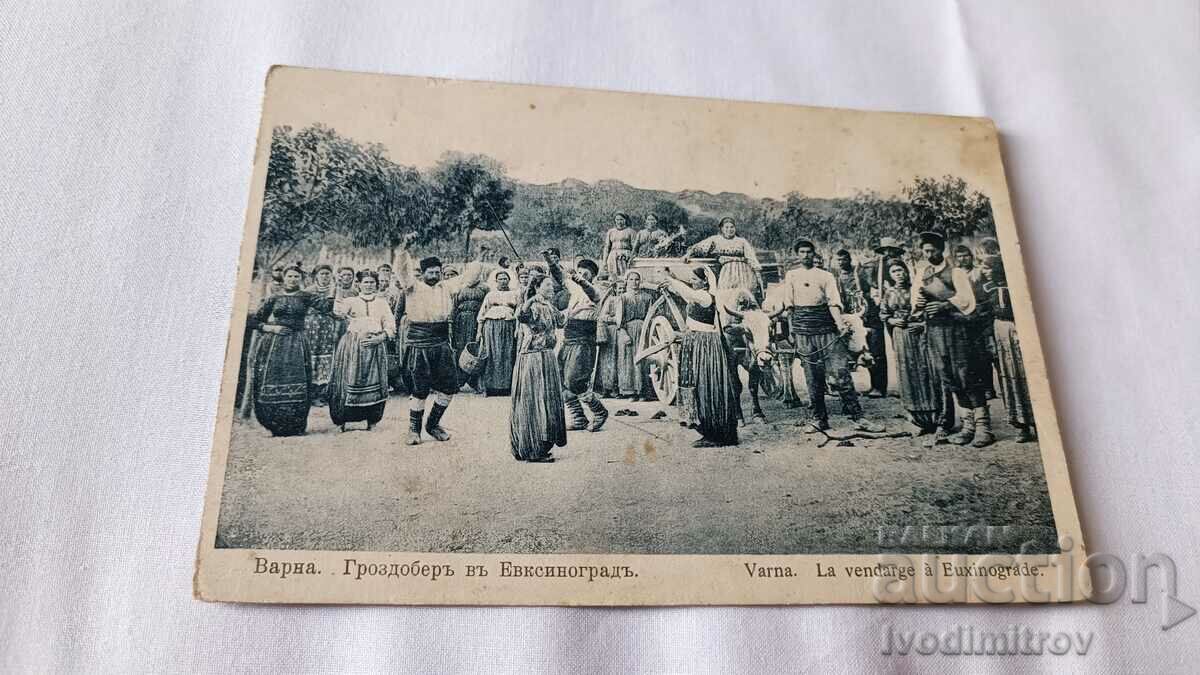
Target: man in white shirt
<point x="577" y="358"/>
<point x="428" y="359"/>
<point x="818" y="333"/>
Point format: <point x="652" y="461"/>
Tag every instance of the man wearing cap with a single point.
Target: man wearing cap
<point x="577" y="358"/>
<point x="818" y="332"/>
<point x="858" y="291"/>
<point x="428" y="359"/>
<point x="946" y="299"/>
<point x="874" y="273"/>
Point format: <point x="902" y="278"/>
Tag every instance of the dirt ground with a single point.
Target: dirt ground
<point x="635" y="487"/>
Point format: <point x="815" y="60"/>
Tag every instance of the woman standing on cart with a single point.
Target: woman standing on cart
<point x="707" y="373"/>
<point x="619" y="243"/>
<point x="739" y="265"/>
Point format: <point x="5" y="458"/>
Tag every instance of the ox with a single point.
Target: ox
<point x="748" y="332"/>
<point x="861" y="360"/>
<point x="790" y="371"/>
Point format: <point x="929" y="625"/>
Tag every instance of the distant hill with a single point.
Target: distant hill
<point x="574" y="215"/>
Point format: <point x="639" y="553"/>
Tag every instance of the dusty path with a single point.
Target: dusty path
<point x="635" y="487"/>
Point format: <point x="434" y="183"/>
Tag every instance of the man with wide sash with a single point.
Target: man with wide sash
<point x="577" y="357"/>
<point x="819" y="335"/>
<point x="946" y="300"/>
<point x="428" y="361"/>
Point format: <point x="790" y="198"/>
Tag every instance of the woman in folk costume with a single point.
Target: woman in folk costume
<point x="919" y="391"/>
<point x="607" y="323"/>
<point x="1014" y="386"/>
<point x="358" y="385"/>
<point x="323" y="331"/>
<point x="707" y="372"/>
<point x="633" y="377"/>
<point x="498" y="334"/>
<point x="282" y="363"/>
<point x="389" y="292"/>
<point x="465" y="324"/>
<point x="537" y="421"/>
<point x="619" y="244"/>
<point x="739" y="264"/>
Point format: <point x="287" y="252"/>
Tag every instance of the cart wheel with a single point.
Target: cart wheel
<point x="664" y="365"/>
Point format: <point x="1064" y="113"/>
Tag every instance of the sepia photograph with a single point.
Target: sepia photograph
<point x="489" y="319"/>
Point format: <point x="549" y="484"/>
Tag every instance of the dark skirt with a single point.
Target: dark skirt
<point x="606" y="360"/>
<point x="358" y="387"/>
<point x="712" y="394"/>
<point x="323" y="332"/>
<point x="537" y="419"/>
<point x="953" y="354"/>
<point x="1014" y="387"/>
<point x="500" y="343"/>
<point x="919" y="390"/>
<point x="576" y="362"/>
<point x="282" y="375"/>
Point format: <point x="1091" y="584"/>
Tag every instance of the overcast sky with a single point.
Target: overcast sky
<point x="544" y="134"/>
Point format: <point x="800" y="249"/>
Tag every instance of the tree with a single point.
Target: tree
<point x="469" y="193"/>
<point x="949" y="206"/>
<point x="785" y="223"/>
<point x="669" y="214"/>
<point x="859" y="222"/>
<point x="386" y="204"/>
<point x="306" y="177"/>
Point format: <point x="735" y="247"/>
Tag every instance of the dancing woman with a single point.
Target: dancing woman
<point x="358" y="383"/>
<point x="707" y="368"/>
<point x="537" y="421"/>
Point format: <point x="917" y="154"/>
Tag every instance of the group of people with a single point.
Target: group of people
<point x="953" y="331"/>
<point x="557" y="341"/>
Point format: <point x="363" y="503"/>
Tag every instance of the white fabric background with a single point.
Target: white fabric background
<point x="126" y="136"/>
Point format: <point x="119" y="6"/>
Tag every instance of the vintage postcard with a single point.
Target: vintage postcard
<point x="519" y="345"/>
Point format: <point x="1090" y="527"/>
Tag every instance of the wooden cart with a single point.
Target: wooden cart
<point x="663" y="328"/>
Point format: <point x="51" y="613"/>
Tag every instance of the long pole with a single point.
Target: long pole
<point x="500" y="224"/>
